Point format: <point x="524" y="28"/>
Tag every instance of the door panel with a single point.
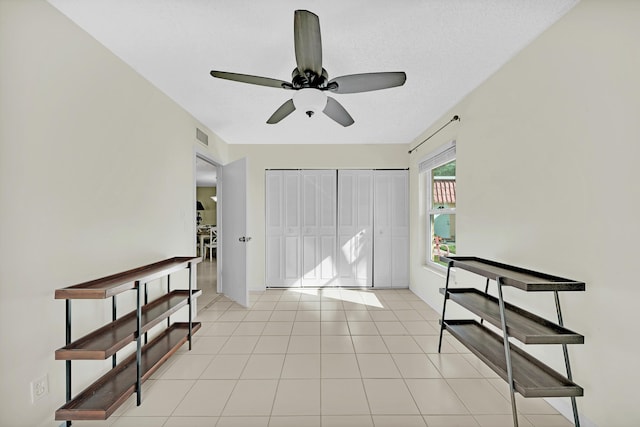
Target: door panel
<point x="274" y="268"/>
<point x="400" y="262"/>
<point x="319" y="227"/>
<point x="400" y="229"/>
<point x="327" y="256"/>
<point x="309" y="249"/>
<point x="291" y="261"/>
<point x="292" y="240"/>
<point x="275" y="226"/>
<point x="282" y="197"/>
<point x="355" y="220"/>
<point x="233" y="252"/>
<point x="382" y="237"/>
<point x="391" y="239"/>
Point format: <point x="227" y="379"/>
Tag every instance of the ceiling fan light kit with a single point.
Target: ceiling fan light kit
<point x="310" y="101"/>
<point x="311" y="81"/>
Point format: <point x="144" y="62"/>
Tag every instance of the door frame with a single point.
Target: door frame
<point x="205" y="155"/>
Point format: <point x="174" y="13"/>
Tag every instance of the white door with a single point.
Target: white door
<point x="318" y="205"/>
<point x="274" y="223"/>
<point x="291" y="238"/>
<point x="232" y="234"/>
<point x="400" y="229"/>
<point x="283" y="228"/>
<point x="353" y="232"/>
<point x="355" y="227"/>
<point x="391" y="229"/>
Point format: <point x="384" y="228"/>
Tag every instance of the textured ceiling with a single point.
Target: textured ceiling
<point x="447" y="48"/>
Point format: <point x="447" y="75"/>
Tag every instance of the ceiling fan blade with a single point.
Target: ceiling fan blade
<point x="336" y="111"/>
<point x="254" y="80"/>
<point x="308" y="44"/>
<point x="366" y="82"/>
<point x="282" y="112"/>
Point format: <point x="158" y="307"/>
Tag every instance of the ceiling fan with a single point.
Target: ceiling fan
<point x="311" y="81"/>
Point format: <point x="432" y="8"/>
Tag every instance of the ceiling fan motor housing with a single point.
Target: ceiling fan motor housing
<point x="309" y="79"/>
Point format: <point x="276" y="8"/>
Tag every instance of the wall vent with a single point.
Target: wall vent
<point x="202" y="137"/>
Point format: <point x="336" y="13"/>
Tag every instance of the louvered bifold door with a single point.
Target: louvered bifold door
<point x="391" y="228"/>
<point x="355" y="222"/>
<point x="318" y="205"/>
<point x="283" y="228"/>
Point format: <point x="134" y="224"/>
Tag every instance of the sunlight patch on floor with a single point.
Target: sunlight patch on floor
<point x="355" y="296"/>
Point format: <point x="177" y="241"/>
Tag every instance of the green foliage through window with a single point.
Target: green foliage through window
<point x="448" y="169"/>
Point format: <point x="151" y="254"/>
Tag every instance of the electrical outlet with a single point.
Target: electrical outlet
<point x="39" y="388"/>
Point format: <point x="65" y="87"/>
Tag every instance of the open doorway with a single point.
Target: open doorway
<point x="207" y="227"/>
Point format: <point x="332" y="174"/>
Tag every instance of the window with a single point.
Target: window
<point x="438" y="173"/>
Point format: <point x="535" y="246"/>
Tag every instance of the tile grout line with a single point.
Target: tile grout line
<point x="421" y="313"/>
<point x="275" y="394"/>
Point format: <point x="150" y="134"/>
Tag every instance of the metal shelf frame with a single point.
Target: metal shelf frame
<point x="526" y="280"/>
<point x="109" y="287"/>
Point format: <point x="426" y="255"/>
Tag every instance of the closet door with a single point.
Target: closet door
<point x="274" y="223"/>
<point x="355" y="222"/>
<point x="318" y="227"/>
<point x="283" y="228"/>
<point x="391" y="225"/>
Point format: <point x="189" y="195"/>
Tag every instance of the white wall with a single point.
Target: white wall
<point x="262" y="157"/>
<point x="547" y="165"/>
<point x="96" y="177"/>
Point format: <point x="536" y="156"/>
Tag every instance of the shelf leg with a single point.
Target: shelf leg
<point x="444" y="305"/>
<point x="68" y="362"/>
<point x="114" y="316"/>
<point x="138" y="345"/>
<point x="507" y="351"/>
<point x="189" y="268"/>
<point x="168" y="291"/>
<point x="565" y="351"/>
<point x="486" y="291"/>
<point x="146" y="301"/>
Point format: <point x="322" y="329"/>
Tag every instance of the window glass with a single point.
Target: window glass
<point x="441" y="210"/>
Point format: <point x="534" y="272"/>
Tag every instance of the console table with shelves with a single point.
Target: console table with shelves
<point x="525" y="374"/>
<point x="100" y="399"/>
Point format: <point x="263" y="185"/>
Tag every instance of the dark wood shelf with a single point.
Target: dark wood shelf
<point x="531" y="377"/>
<point x="106" y="341"/>
<point x="103" y="397"/>
<point x="527" y="280"/>
<point x="526" y="327"/>
<point x="117" y="283"/>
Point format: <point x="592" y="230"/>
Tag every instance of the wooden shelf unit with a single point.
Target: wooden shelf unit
<point x="524" y="326"/>
<point x="531" y="377"/>
<point x="106" y="341"/>
<point x="526" y="280"/>
<point x="105" y="395"/>
<point x="524" y="373"/>
<point x="117" y="283"/>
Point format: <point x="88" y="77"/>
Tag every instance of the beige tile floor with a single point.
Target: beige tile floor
<point x="323" y="357"/>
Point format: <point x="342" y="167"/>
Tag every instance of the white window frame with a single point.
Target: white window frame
<point x="438" y="157"/>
